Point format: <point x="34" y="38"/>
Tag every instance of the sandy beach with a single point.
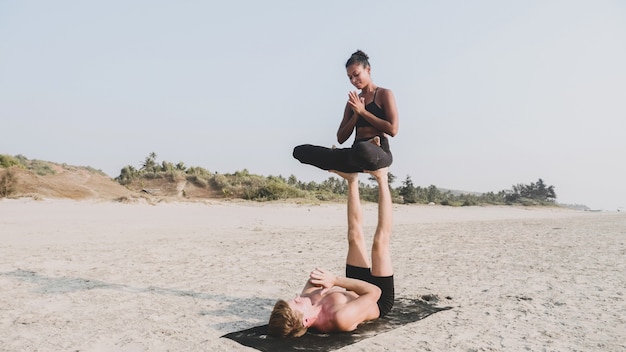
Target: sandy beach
<point x="107" y="276"/>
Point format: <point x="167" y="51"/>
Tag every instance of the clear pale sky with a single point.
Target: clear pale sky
<point x="490" y="93"/>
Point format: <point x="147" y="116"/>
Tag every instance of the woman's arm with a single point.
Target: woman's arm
<point x="347" y="124"/>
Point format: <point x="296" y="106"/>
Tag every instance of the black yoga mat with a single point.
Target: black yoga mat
<point x="404" y="311"/>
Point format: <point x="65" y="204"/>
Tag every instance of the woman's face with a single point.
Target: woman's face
<point x="359" y="76"/>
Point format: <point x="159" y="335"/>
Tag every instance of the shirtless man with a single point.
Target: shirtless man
<point x="331" y="303"/>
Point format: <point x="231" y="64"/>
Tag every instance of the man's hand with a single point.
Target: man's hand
<point x="323" y="278"/>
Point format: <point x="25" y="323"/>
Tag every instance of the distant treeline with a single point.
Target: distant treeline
<point x="242" y="184"/>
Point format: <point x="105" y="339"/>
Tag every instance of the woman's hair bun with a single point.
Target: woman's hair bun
<point x="361" y="53"/>
<point x="358" y="57"/>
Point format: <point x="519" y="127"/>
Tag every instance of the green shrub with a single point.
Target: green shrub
<point x="7" y="161"/>
<point x="272" y="191"/>
<point x="526" y="202"/>
<point x="127" y="175"/>
<point x="197" y="181"/>
<point x="196" y="170"/>
<point x="41" y="168"/>
<point x="326" y="196"/>
<point x="220" y="182"/>
<point x="470" y="202"/>
<point x="8" y="183"/>
<point x="173" y="175"/>
<point x="95" y="171"/>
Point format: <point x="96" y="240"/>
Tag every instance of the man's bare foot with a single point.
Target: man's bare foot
<point x="346" y="175"/>
<point x="380" y="174"/>
<point x="375" y="140"/>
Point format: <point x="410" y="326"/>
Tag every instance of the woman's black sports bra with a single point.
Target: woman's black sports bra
<point x="374" y="109"/>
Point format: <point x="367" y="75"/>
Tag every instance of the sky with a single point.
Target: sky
<point x="490" y="94"/>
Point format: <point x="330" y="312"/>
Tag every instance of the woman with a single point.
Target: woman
<point x="372" y="113"/>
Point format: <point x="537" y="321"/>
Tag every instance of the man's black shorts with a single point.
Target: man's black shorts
<point x="385" y="283"/>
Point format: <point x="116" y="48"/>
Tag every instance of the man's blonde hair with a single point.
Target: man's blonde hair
<point x="284" y="321"/>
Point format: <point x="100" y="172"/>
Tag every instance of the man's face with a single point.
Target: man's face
<point x="300" y="304"/>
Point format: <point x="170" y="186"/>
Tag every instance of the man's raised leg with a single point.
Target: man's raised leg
<point x="381" y="254"/>
<point x="357" y="251"/>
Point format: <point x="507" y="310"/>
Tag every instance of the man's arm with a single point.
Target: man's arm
<point x="308" y="287"/>
<point x="360" y="287"/>
<point x="356" y="311"/>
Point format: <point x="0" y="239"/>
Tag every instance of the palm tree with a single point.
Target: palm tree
<point x="150" y="163"/>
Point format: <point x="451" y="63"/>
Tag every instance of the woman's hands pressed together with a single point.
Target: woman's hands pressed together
<point x="356" y="102"/>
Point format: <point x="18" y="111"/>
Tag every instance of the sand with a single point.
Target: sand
<point x="105" y="276"/>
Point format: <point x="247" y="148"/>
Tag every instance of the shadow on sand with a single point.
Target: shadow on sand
<point x="247" y="309"/>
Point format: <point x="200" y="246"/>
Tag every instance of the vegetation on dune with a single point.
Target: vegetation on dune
<point x="7" y="183"/>
<point x="241" y="184"/>
<point x="39" y="167"/>
<point x="9" y="174"/>
<point x="245" y="185"/>
<point x="8" y="179"/>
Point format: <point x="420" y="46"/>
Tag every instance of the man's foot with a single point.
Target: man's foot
<point x="350" y="177"/>
<point x="380" y="174"/>
<point x="375" y="140"/>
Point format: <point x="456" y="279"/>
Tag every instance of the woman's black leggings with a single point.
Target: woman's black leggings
<point x="363" y="155"/>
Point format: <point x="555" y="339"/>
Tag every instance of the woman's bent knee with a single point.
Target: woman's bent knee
<point x="300" y="151"/>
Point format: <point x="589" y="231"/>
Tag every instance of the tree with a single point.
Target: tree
<point x="544" y="193"/>
<point x="150" y="164"/>
<point x="432" y="194"/>
<point x="334" y="185"/>
<point x="408" y="191"/>
<point x="127" y="174"/>
<point x="535" y="191"/>
<point x="371" y="193"/>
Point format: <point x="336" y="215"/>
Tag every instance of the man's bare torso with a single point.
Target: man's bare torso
<point x="331" y="301"/>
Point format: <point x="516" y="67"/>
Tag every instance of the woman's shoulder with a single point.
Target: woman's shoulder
<point x="385" y="94"/>
<point x="382" y="90"/>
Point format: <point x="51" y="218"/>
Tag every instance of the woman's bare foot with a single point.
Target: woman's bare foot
<point x="346" y="175"/>
<point x="375" y="140"/>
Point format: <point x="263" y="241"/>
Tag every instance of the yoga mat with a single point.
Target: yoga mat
<point x="404" y="311"/>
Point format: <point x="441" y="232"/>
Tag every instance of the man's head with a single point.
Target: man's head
<point x="285" y="321"/>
